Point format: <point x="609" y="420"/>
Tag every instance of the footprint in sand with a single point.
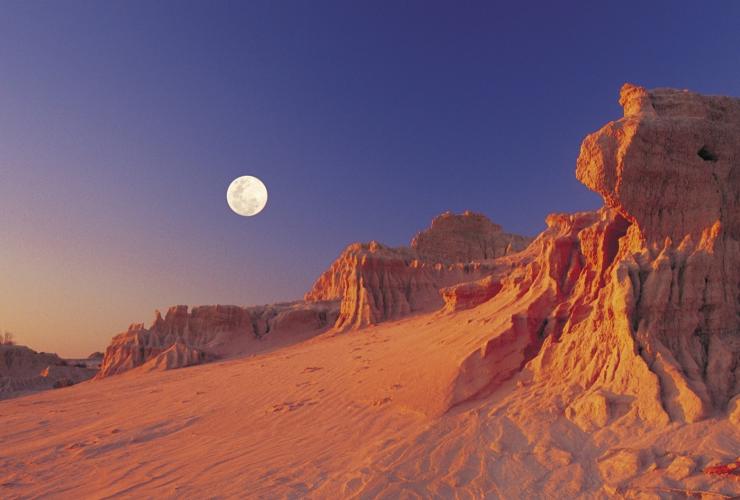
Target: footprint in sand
<point x="292" y="405"/>
<point x="79" y="445"/>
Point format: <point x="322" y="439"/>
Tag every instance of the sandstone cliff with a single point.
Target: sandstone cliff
<point x="376" y="283"/>
<point x="671" y="167"/>
<point x="191" y="336"/>
<point x="368" y="283"/>
<point x="469" y="237"/>
<point x="23" y="370"/>
<point x="634" y="309"/>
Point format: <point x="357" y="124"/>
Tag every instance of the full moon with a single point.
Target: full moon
<point x="246" y="195"/>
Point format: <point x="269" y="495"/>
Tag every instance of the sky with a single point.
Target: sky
<point x="123" y="123"/>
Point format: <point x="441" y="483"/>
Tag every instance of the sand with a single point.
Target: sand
<point x="341" y="415"/>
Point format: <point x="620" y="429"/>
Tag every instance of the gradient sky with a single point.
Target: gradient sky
<point x="122" y="124"/>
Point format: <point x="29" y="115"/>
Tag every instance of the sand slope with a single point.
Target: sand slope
<point x="336" y="416"/>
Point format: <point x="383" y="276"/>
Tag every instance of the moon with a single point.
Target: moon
<point x="247" y="195"/>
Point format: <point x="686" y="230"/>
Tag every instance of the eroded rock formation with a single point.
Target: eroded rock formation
<point x="468" y="237"/>
<point x="376" y="283"/>
<point x="367" y="284"/>
<point x="636" y="306"/>
<point x="23" y="370"/>
<point x="671" y="166"/>
<point x="186" y="336"/>
<point x="470" y="294"/>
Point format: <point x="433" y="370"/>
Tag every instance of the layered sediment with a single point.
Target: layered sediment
<point x="23" y="370"/>
<point x="640" y="299"/>
<point x="376" y="283"/>
<point x="185" y="336"/>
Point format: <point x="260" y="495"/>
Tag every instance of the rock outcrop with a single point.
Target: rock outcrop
<point x="671" y="167"/>
<point x="367" y="284"/>
<point x="469" y="237"/>
<point x="18" y="360"/>
<point x="376" y="283"/>
<point x="23" y="370"/>
<point x="470" y="294"/>
<point x="635" y="307"/>
<point x="178" y="355"/>
<point x="184" y="336"/>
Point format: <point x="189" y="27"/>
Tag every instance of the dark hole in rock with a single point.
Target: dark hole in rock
<point x="706" y="155"/>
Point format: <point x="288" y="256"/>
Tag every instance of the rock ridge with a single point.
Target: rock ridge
<point x="640" y="299"/>
<point x="376" y="283"/>
<point x="23" y="370"/>
<point x="186" y="336"/>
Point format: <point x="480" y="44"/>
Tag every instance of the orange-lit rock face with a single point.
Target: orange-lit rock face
<point x="672" y="167"/>
<point x="467" y="237"/>
<point x="638" y="305"/>
<point x="670" y="164"/>
<point x="368" y="283"/>
<point x="185" y="337"/>
<point x="377" y="283"/>
<point x="470" y="294"/>
<point x="565" y="310"/>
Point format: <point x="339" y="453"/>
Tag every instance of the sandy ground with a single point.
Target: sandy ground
<point x="347" y="415"/>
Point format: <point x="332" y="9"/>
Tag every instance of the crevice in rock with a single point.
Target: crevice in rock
<point x="541" y="332"/>
<point x="703" y="338"/>
<point x="255" y="330"/>
<point x="706" y="155"/>
<point x="641" y="277"/>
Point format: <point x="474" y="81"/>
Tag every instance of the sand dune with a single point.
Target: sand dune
<point x="336" y="416"/>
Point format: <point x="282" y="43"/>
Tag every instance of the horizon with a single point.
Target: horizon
<point x="123" y="126"/>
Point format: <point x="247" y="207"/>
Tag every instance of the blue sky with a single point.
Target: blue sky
<point x="122" y="124"/>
